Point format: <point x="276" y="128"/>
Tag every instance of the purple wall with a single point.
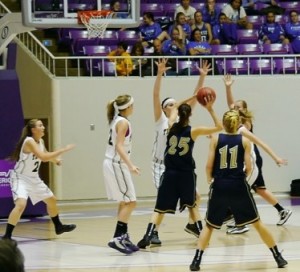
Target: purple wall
<point x="11" y="113"/>
<point x="11" y="124"/>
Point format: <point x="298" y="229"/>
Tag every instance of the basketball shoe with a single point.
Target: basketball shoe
<point x="64" y="228"/>
<point x="120" y="244"/>
<point x="129" y="244"/>
<point x="237" y="230"/>
<point x="284" y="216"/>
<point x="145" y="241"/>
<point x="280" y="261"/>
<point x="192" y="229"/>
<point x="155" y="241"/>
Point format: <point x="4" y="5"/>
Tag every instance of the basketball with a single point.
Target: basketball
<point x="205" y="92"/>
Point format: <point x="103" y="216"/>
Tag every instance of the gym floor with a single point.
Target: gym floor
<point x="85" y="249"/>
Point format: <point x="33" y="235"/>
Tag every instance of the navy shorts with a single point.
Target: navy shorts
<point x="176" y="186"/>
<point x="234" y="195"/>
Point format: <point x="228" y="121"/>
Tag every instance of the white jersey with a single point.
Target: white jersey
<point x="28" y="164"/>
<point x="111" y="152"/>
<point x="160" y="141"/>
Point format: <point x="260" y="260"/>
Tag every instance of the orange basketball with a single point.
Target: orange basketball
<point x="203" y="93"/>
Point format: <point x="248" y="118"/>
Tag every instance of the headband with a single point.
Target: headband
<point x="168" y="101"/>
<point x="125" y="106"/>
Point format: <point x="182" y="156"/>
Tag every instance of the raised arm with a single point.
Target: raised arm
<point x="279" y="161"/>
<point x="228" y="81"/>
<point x="203" y="71"/>
<point x="161" y="69"/>
<point x="197" y="131"/>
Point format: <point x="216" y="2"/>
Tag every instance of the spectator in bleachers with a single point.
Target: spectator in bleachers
<point x="196" y="46"/>
<point x="292" y="30"/>
<point x="271" y="31"/>
<point x="176" y="45"/>
<point x="187" y="10"/>
<point x="205" y="28"/>
<point x="123" y="65"/>
<point x="152" y="67"/>
<point x="273" y="6"/>
<point x="236" y="14"/>
<point x="249" y="6"/>
<point x="210" y="12"/>
<point x="140" y="64"/>
<point x="150" y="30"/>
<point x="115" y="6"/>
<point x="223" y="32"/>
<point x="180" y="22"/>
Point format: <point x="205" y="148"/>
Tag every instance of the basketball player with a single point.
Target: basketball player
<point x="162" y="112"/>
<point x="25" y="180"/>
<point x="178" y="181"/>
<point x="246" y="130"/>
<point x="117" y="169"/>
<point x="228" y="154"/>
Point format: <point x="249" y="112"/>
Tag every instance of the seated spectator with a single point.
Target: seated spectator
<point x="181" y="21"/>
<point x="151" y="30"/>
<point x="139" y="65"/>
<point x="292" y="31"/>
<point x="249" y="6"/>
<point x="187" y="10"/>
<point x="152" y="67"/>
<point x="196" y="46"/>
<point x="11" y="257"/>
<point x="236" y="14"/>
<point x="205" y="28"/>
<point x="115" y="7"/>
<point x="223" y="32"/>
<point x="123" y="65"/>
<point x="210" y="12"/>
<point x="271" y="31"/>
<point x="272" y="7"/>
<point x="176" y="45"/>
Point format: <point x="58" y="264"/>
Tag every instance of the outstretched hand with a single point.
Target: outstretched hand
<point x="206" y="68"/>
<point x="280" y="161"/>
<point x="210" y="100"/>
<point x="228" y="81"/>
<point x="69" y="147"/>
<point x="161" y="66"/>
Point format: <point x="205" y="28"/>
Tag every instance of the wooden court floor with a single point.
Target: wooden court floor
<point x="85" y="249"/>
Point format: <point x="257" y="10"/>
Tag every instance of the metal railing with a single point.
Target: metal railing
<point x="99" y="66"/>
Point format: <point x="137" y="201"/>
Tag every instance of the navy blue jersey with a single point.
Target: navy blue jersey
<point x="229" y="158"/>
<point x="179" y="150"/>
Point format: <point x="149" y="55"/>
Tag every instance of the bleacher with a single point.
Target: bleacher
<point x="245" y="57"/>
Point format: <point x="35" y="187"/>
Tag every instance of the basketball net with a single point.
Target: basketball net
<point x="96" y="21"/>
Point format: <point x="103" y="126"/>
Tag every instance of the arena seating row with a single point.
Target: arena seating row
<point x="76" y="39"/>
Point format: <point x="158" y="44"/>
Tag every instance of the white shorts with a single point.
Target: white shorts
<point x="158" y="168"/>
<point x="33" y="187"/>
<point x="118" y="181"/>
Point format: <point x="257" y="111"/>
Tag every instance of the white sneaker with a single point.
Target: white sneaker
<point x="238" y="230"/>
<point x="230" y="223"/>
<point x="284" y="216"/>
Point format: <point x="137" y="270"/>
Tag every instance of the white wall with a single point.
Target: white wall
<point x="72" y="104"/>
<point x="81" y="102"/>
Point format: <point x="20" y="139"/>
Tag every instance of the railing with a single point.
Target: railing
<point x="92" y="66"/>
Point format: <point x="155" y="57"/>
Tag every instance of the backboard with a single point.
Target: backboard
<point x="63" y="13"/>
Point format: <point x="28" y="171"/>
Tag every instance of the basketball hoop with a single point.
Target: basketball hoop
<point x="96" y="21"/>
